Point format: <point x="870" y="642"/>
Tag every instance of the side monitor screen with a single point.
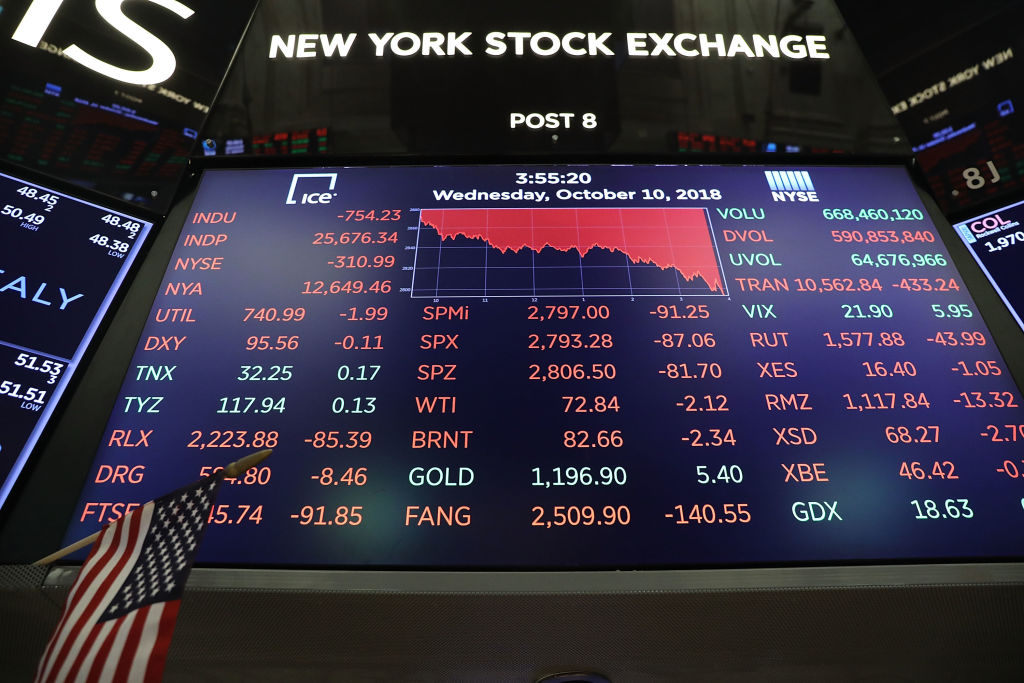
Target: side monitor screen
<point x="570" y="366"/>
<point x="61" y="261"/>
<point x="996" y="240"/>
<point x="112" y="95"/>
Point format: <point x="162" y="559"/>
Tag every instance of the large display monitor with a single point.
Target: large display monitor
<point x="62" y="260"/>
<point x="995" y="240"/>
<point x="570" y="366"/>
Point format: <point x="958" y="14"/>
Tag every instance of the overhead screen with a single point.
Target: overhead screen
<point x="61" y="262"/>
<point x="601" y="76"/>
<point x="570" y="366"/>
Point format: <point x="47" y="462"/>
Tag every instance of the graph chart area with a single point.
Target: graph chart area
<point x="566" y="252"/>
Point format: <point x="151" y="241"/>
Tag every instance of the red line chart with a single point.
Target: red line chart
<point x="566" y="252"/>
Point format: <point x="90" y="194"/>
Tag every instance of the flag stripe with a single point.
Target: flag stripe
<point x="115" y="573"/>
<point x="105" y="542"/>
<point x="80" y="673"/>
<point x="117" y="647"/>
<point x="102" y="554"/>
<point x="133" y="532"/>
<point x="124" y="662"/>
<point x="162" y="642"/>
<point x="72" y="647"/>
<point x="111" y="629"/>
<point x="141" y="666"/>
<point x="140" y="657"/>
<point x="85" y="650"/>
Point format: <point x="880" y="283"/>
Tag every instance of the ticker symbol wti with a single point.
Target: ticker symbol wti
<point x="312" y="181"/>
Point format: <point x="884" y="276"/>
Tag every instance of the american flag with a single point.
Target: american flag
<point x="120" y="613"/>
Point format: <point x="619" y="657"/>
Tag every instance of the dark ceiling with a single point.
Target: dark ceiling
<point x="894" y="33"/>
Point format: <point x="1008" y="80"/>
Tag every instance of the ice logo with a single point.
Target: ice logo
<point x="320" y="197"/>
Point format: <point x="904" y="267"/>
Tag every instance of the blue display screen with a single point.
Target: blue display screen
<point x="61" y="262"/>
<point x="996" y="240"/>
<point x="569" y="366"/>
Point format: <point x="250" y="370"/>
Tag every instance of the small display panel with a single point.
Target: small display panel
<point x="61" y="261"/>
<point x="570" y="366"/>
<point x="996" y="240"/>
<point x="112" y="95"/>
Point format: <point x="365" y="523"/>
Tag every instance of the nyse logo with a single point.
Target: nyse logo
<point x="320" y="197"/>
<point x="791" y="186"/>
<point x="41" y="13"/>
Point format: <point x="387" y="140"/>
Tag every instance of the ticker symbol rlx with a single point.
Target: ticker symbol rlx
<point x="791" y="186"/>
<point x="304" y="182"/>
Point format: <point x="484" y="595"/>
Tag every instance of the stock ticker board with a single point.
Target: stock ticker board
<point x="62" y="260"/>
<point x="569" y="366"/>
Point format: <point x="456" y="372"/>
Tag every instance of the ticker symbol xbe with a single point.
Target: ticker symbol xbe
<point x="791" y="186"/>
<point x="306" y="197"/>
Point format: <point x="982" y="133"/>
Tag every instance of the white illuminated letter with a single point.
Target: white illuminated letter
<point x="495" y="46"/>
<point x="567" y="43"/>
<point x="380" y="42"/>
<point x="636" y="44"/>
<point x="307" y="46"/>
<point x="816" y="47"/>
<point x="163" y="58"/>
<point x="792" y="47"/>
<point x="738" y="44"/>
<point x="718" y="43"/>
<point x="282" y="45"/>
<point x="769" y="45"/>
<point x="36" y="20"/>
<point x="678" y="44"/>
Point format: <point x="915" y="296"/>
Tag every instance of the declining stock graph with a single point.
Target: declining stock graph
<point x="509" y="252"/>
<point x="554" y="366"/>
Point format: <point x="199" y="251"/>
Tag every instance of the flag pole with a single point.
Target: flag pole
<point x="232" y="470"/>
